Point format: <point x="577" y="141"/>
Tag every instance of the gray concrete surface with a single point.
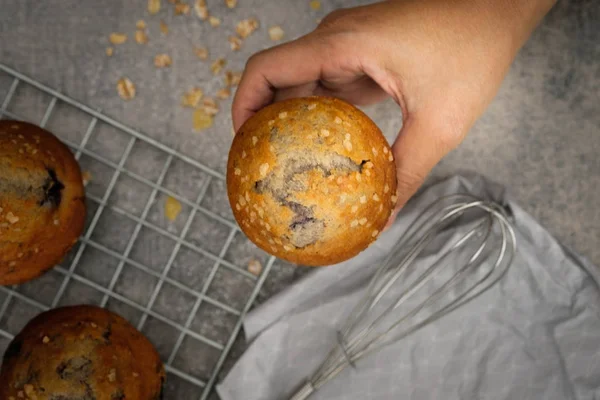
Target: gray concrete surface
<point x="540" y="137"/>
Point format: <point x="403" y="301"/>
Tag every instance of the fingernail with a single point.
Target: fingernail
<point x="391" y="220"/>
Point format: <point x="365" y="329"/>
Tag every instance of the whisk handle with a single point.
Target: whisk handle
<point x="304" y="392"/>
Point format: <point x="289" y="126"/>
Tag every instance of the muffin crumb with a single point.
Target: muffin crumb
<point x="11" y="218"/>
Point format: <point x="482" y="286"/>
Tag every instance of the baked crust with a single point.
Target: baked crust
<point x="311" y="180"/>
<point x="81" y="352"/>
<point x="42" y="204"/>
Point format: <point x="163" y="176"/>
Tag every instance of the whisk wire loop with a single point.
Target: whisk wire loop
<point x="403" y="297"/>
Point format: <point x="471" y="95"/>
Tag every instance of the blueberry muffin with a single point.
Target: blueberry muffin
<point x="311" y="180"/>
<point x="42" y="205"/>
<point x="81" y="353"/>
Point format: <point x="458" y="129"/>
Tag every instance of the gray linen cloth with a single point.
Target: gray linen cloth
<point x="534" y="335"/>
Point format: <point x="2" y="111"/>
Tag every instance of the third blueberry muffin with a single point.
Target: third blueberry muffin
<point x="81" y="353"/>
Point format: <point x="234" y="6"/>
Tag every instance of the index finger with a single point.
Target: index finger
<point x="290" y="64"/>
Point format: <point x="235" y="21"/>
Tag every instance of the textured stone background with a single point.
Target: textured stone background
<point x="540" y="137"/>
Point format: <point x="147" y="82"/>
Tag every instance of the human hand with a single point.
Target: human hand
<point x="442" y="61"/>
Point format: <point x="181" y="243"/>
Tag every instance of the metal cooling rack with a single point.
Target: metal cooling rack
<point x="18" y="306"/>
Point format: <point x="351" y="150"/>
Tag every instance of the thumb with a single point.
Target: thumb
<point x="287" y="65"/>
<point x="421" y="144"/>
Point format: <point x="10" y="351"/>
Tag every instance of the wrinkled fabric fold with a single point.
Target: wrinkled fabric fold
<point x="535" y="335"/>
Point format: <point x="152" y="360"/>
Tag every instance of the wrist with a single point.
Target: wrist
<point x="529" y="13"/>
<point x="513" y="19"/>
<point x="516" y="18"/>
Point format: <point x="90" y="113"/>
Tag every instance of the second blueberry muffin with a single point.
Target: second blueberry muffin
<point x="42" y="204"/>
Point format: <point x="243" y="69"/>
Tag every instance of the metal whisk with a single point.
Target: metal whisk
<point x="457" y="265"/>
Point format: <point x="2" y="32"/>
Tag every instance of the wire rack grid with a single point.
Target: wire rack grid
<point x="193" y="354"/>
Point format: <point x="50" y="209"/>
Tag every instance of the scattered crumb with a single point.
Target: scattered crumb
<point x="218" y="65"/>
<point x="87" y="177"/>
<point x="172" y="208"/>
<point x="135" y="374"/>
<point x="112" y="375"/>
<point x="230" y="3"/>
<point x="117" y="38"/>
<point x="235" y="43"/>
<point x="141" y="37"/>
<point x="162" y="61"/>
<point x="276" y="33"/>
<point x="164" y="28"/>
<point x="182" y="9"/>
<point x="201" y="52"/>
<point x="223" y="93"/>
<point x="192" y="98"/>
<point x="254" y="267"/>
<point x="264" y="169"/>
<point x="28" y="388"/>
<point x="315" y="5"/>
<point x="214" y="21"/>
<point x="347" y="144"/>
<point x="153" y="6"/>
<point x="11" y="218"/>
<point x="202" y="120"/>
<point x="246" y="27"/>
<point x="201" y="9"/>
<point x="140" y="24"/>
<point x="210" y="106"/>
<point x="110" y="51"/>
<point x="232" y="78"/>
<point x="126" y="89"/>
<point x="46" y="340"/>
